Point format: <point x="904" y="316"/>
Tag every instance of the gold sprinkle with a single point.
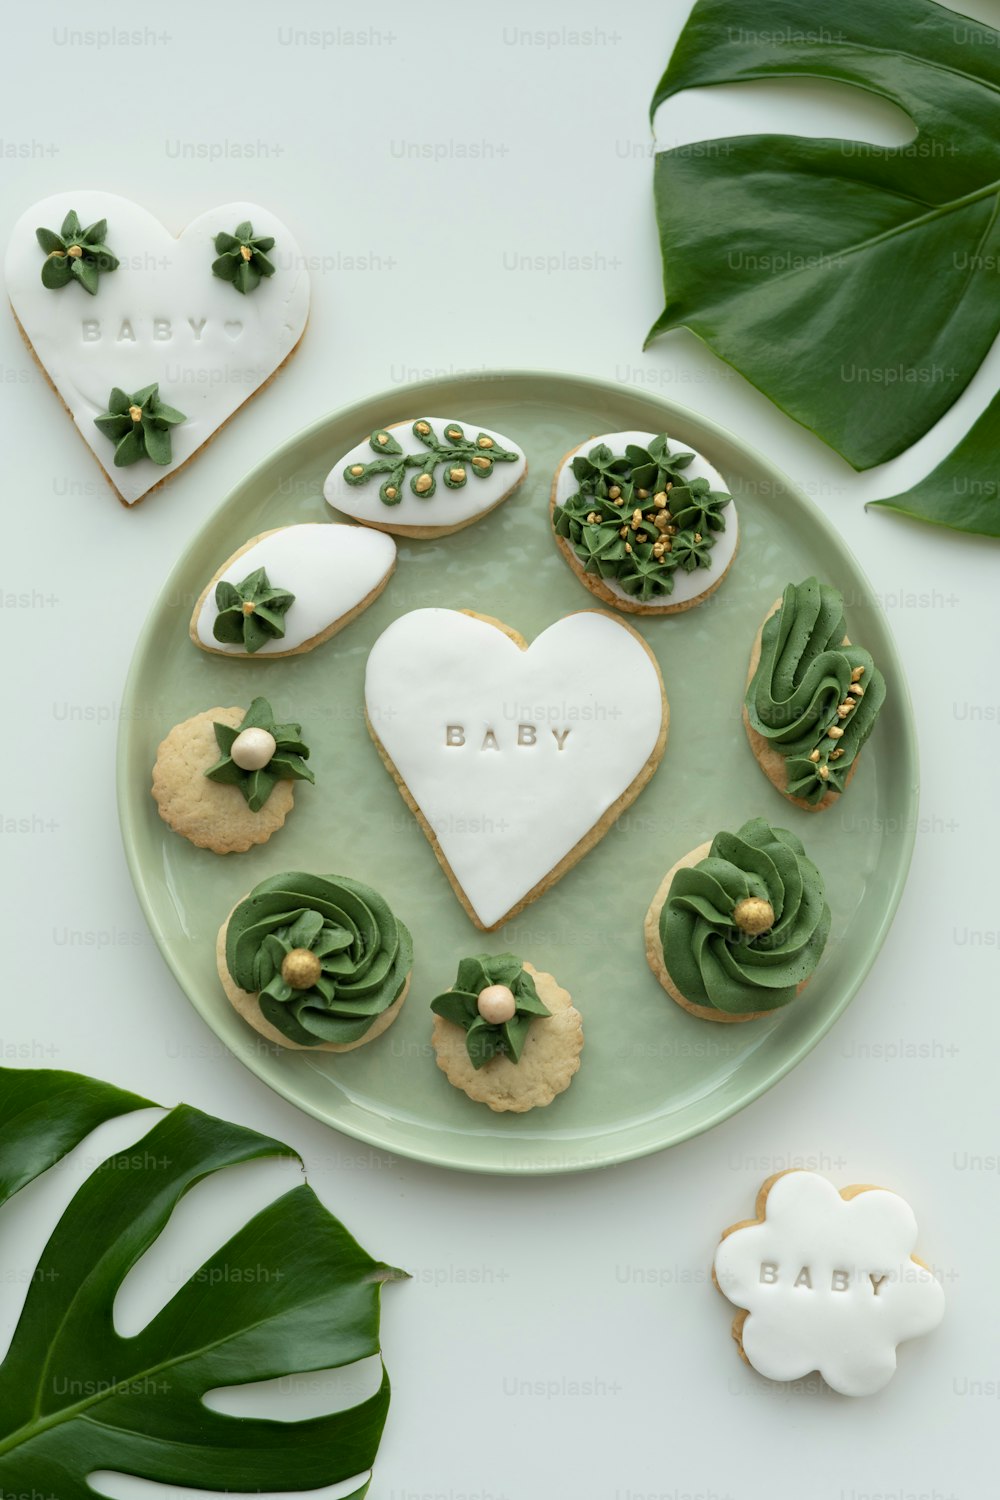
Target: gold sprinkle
<point x="382" y="437"/>
<point x="660" y="500"/>
<point x="614" y="492"/>
<point x="456" y="475"/>
<point x="824" y="772"/>
<point x="642" y="494"/>
<point x="357" y="468"/>
<point x="834" y="732"/>
<point x="857" y="674"/>
<point x="623" y="531"/>
<point x="135" y="412"/>
<point x="249" y="606"/>
<point x="593" y="517"/>
<point x="485" y="442"/>
<point x="74" y="250"/>
<point x="671" y="531"/>
<point x="391" y="492"/>
<point x="245" y="251"/>
<point x="836" y="754"/>
<point x="423" y="484"/>
<point x="637" y="517"/>
<point x="423" y="428"/>
<point x="628" y="546"/>
<point x="697" y="536"/>
<point x="662" y="521"/>
<point x="856" y="689"/>
<point x="453" y="433"/>
<point x="668" y="546"/>
<point x="641" y="536"/>
<point x="814" y="756"/>
<point x="481" y="463"/>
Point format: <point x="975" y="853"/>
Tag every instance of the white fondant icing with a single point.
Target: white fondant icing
<point x="329" y="569"/>
<point x="445" y="507"/>
<point x="829" y="1284"/>
<point x="161" y="316"/>
<point x="687" y="586"/>
<point x="451" y="696"/>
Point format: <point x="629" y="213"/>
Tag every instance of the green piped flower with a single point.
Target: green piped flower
<point x="243" y="257"/>
<point x="75" y="254"/>
<point x="288" y="763"/>
<point x="250" y="613"/>
<point x="139" y="426"/>
<point x="460" y="1005"/>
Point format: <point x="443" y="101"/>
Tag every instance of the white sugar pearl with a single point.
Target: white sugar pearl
<point x="253" y="749"/>
<point x="497" y="1004"/>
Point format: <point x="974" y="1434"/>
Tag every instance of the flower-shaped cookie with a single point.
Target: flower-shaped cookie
<point x="826" y="1281"/>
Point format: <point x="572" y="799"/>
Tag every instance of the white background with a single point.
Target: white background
<point x="559" y="1337"/>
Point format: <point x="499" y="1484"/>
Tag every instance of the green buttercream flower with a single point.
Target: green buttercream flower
<point x="287" y="762"/>
<point x="743" y="928"/>
<point x="243" y="257"/>
<point x="325" y="955"/>
<point x="139" y="425"/>
<point x="485" y="1040"/>
<point x="251" y="612"/>
<point x="75" y="254"/>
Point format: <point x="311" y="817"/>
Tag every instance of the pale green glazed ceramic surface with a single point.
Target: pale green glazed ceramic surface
<point x="651" y="1075"/>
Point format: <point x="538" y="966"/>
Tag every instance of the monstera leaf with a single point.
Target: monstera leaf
<point x="964" y="490"/>
<point x="76" y="1397"/>
<point x="855" y="285"/>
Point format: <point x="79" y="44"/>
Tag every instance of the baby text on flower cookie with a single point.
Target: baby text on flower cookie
<point x="527" y="737"/>
<point x="840" y="1281"/>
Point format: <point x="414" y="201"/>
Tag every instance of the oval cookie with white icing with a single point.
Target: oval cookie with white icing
<point x="516" y="759"/>
<point x="425" y="477"/>
<point x="826" y="1280"/>
<point x="113" y="305"/>
<point x="291" y="589"/>
<point x="647" y="525"/>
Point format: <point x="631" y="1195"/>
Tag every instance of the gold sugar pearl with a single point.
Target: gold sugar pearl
<point x="74" y="250"/>
<point x="135" y="412"/>
<point x="300" y="968"/>
<point x="753" y="915"/>
<point x="357" y="468"/>
<point x="423" y="484"/>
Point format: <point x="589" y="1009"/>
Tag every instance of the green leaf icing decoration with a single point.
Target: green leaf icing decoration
<point x="483" y="1040"/>
<point x="75" y="254"/>
<point x="243" y="257"/>
<point x="637" y="518"/>
<point x="290" y="1290"/>
<point x="139" y="426"/>
<point x="288" y="763"/>
<point x="457" y="454"/>
<point x="365" y="955"/>
<point x="716" y="962"/>
<point x="808" y="683"/>
<point x="251" y="612"/>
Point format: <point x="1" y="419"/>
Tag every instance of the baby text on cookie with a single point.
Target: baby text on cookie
<point x="527" y="737"/>
<point x="162" y="330"/>
<point x="840" y="1281"/>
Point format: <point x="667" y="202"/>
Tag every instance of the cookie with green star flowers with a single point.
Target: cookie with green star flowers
<point x="225" y="779"/>
<point x="645" y="523"/>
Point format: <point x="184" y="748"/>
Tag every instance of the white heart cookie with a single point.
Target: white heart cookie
<point x="162" y="317"/>
<point x="516" y="758"/>
<point x="335" y="572"/>
<point x="458" y="479"/>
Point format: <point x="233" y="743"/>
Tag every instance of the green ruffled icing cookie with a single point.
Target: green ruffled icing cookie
<point x="637" y="518"/>
<point x="485" y="1040"/>
<point x="324" y="954"/>
<point x="746" y="925"/>
<point x="813" y="698"/>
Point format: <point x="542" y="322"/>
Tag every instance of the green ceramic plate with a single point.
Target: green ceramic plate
<point x="651" y="1075"/>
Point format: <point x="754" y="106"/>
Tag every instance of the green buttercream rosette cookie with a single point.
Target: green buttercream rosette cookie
<point x="813" y="699"/>
<point x="743" y="928"/>
<point x="324" y="955"/>
<point x="484" y="1039"/>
